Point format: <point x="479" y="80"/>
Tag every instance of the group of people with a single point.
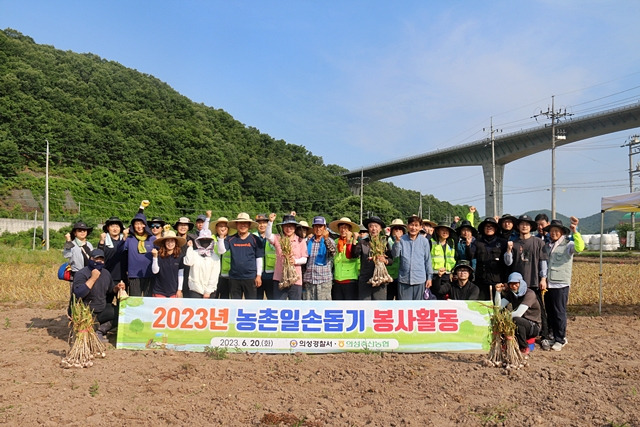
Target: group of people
<point x="248" y="258"/>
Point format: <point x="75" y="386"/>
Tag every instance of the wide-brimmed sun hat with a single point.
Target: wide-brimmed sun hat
<point x="113" y="220"/>
<point x="428" y="221"/>
<point x="170" y="234"/>
<point x="335" y="225"/>
<point x="488" y="221"/>
<point x="452" y="232"/>
<point x="467" y="224"/>
<point x="80" y="225"/>
<point x="558" y="224"/>
<point x="290" y="219"/>
<point x="183" y="220"/>
<point x="373" y="219"/>
<point x="242" y="217"/>
<point x="397" y="223"/>
<point x="527" y="218"/>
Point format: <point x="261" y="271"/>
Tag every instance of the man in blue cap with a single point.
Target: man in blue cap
<point x="318" y="276"/>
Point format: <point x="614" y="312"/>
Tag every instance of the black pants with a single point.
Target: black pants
<point x="223" y="288"/>
<point x="525" y="329"/>
<point x="556" y="302"/>
<point x="240" y="287"/>
<point x="544" y="327"/>
<point x="266" y="290"/>
<point x="140" y="287"/>
<point x="345" y="291"/>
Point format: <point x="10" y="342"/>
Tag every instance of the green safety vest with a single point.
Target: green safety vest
<point x="440" y="259"/>
<point x="269" y="254"/>
<point x="345" y="268"/>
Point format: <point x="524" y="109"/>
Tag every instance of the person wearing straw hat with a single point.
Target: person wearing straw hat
<point x="346" y="267"/>
<point x="168" y="266"/>
<point x="489" y="257"/>
<point x="366" y="291"/>
<point x="204" y="264"/>
<point x="318" y="277"/>
<point x="220" y="228"/>
<point x="77" y="249"/>
<point x="443" y="253"/>
<point x="303" y="230"/>
<point x="561" y="249"/>
<point x="462" y="288"/>
<point x="269" y="263"/>
<point x="112" y="244"/>
<point x="397" y="229"/>
<point x="247" y="254"/>
<point x="413" y="251"/>
<point x="528" y="256"/>
<point x="297" y="257"/>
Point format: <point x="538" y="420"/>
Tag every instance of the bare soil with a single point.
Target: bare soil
<point x="593" y="381"/>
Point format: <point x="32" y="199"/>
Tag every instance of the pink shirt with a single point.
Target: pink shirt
<point x="298" y="249"/>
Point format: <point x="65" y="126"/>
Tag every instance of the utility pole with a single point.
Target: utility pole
<point x="493" y="167"/>
<point x="420" y="208"/>
<point x="554" y="116"/>
<point x="634" y="148"/>
<point x="45" y="221"/>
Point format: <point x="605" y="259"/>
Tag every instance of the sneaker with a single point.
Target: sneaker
<point x="545" y="344"/>
<point x="557" y="346"/>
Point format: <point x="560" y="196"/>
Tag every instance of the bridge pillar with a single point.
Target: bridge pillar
<point x="488" y="189"/>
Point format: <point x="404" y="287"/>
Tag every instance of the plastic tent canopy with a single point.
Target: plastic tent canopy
<point x="629" y="202"/>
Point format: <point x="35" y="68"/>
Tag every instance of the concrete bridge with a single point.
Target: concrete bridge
<point x="508" y="147"/>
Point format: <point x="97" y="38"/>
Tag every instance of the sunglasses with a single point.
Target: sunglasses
<point x="156" y="226"/>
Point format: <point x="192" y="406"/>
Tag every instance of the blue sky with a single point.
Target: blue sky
<point x="362" y="82"/>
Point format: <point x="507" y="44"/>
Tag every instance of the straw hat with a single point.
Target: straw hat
<point x="397" y="223"/>
<point x="335" y="225"/>
<point x="243" y="217"/>
<point x="428" y="221"/>
<point x="170" y="234"/>
<point x="212" y="225"/>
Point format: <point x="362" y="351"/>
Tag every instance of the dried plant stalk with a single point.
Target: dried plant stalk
<point x="504" y="351"/>
<point x="378" y="247"/>
<point x="289" y="272"/>
<point x="86" y="345"/>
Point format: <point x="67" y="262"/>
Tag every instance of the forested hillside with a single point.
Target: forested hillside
<point x="118" y="136"/>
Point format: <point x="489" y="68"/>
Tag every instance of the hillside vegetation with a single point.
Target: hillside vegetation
<point x="118" y="136"/>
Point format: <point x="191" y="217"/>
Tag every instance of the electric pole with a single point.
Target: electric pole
<point x="634" y="148"/>
<point x="493" y="167"/>
<point x="554" y="116"/>
<point x="45" y="221"/>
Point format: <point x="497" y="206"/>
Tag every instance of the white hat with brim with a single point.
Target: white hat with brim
<point x="335" y="225"/>
<point x="180" y="241"/>
<point x="243" y="217"/>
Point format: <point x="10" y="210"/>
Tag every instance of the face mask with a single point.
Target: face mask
<point x="93" y="265"/>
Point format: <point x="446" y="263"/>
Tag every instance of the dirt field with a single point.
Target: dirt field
<point x="594" y="380"/>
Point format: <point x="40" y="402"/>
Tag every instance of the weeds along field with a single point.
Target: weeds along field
<point x="30" y="277"/>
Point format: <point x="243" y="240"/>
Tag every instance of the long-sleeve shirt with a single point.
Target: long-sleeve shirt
<point x="203" y="272"/>
<point x="415" y="259"/>
<point x="317" y="272"/>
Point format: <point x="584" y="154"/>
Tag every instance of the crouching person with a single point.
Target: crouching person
<point x="526" y="311"/>
<point x="91" y="284"/>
